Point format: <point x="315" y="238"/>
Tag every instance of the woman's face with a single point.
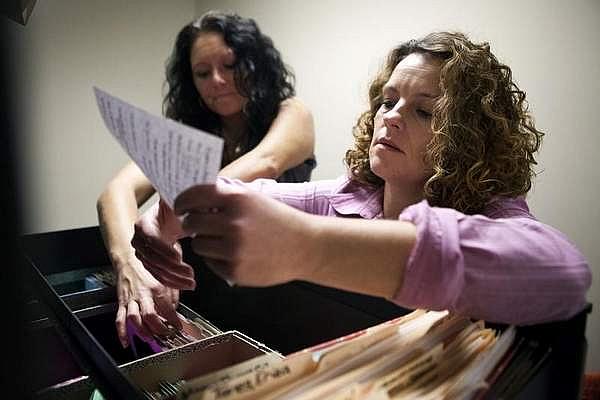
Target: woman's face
<point x="402" y="125"/>
<point x="212" y="69"/>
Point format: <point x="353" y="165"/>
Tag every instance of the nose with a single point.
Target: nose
<point x="217" y="77"/>
<point x="393" y="118"/>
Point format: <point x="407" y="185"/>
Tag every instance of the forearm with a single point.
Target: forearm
<point x="366" y="256"/>
<point x="117" y="209"/>
<point x="251" y="166"/>
<point x="117" y="212"/>
<point x="289" y="141"/>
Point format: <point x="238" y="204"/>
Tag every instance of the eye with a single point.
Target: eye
<point x="201" y="74"/>
<point x="229" y="66"/>
<point x="423" y="113"/>
<point x="388" y="104"/>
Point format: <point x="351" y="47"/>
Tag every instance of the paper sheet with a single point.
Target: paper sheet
<point x="173" y="156"/>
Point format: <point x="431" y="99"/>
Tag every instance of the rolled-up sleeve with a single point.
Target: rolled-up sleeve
<point x="311" y="197"/>
<point x="510" y="270"/>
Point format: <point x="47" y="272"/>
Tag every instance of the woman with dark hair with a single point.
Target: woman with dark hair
<point x="258" y="84"/>
<point x="434" y="207"/>
<point x="224" y="77"/>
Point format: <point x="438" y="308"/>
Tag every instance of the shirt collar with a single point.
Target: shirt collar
<point x="353" y="198"/>
<point x="506" y="207"/>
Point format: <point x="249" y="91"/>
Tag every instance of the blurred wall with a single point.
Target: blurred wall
<point x="65" y="49"/>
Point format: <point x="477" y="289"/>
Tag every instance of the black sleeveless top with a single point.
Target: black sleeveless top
<point x="299" y="173"/>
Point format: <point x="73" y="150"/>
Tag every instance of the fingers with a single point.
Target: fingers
<point x="135" y="319"/>
<point x="213" y="248"/>
<point x="178" y="270"/>
<point x="121" y="326"/>
<point x="147" y="243"/>
<point x="211" y="223"/>
<point x="144" y="319"/>
<point x="150" y="257"/>
<point x="203" y="198"/>
<point x="151" y="318"/>
<point x="179" y="250"/>
<point x="178" y="275"/>
<point x="195" y="197"/>
<point x="167" y="308"/>
<point x="169" y="269"/>
<point x="140" y="316"/>
<point x="171" y="279"/>
<point x="174" y="298"/>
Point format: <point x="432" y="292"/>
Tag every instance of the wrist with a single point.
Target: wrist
<point x="313" y="254"/>
<point x="122" y="258"/>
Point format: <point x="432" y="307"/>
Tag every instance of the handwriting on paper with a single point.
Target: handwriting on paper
<point x="173" y="156"/>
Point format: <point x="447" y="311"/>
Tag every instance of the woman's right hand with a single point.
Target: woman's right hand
<point x="156" y="246"/>
<point x="148" y="286"/>
<point x="147" y="297"/>
<point x="144" y="301"/>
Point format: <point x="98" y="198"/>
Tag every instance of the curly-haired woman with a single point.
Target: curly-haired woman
<point x="434" y="201"/>
<point x="225" y="77"/>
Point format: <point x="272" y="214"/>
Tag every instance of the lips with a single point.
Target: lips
<point x="220" y="96"/>
<point x="388" y="144"/>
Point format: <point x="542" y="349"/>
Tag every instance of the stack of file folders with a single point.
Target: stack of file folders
<point x="425" y="355"/>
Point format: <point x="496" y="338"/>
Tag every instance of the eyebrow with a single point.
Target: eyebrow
<point x="386" y="88"/>
<point x="199" y="64"/>
<point x="223" y="58"/>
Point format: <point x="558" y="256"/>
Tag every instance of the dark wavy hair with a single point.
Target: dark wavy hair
<point x="484" y="138"/>
<point x="260" y="75"/>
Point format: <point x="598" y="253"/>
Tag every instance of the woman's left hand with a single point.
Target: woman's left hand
<point x="244" y="236"/>
<point x="155" y="243"/>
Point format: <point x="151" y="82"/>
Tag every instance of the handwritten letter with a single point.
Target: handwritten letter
<point x="173" y="156"/>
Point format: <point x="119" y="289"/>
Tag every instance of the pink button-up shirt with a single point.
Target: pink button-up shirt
<point x="501" y="265"/>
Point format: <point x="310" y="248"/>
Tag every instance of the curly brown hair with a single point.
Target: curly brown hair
<point x="484" y="138"/>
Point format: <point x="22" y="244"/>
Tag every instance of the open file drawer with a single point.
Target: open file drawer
<point x="155" y="375"/>
<point x="65" y="296"/>
<point x="50" y="360"/>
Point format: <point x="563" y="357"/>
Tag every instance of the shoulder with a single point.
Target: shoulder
<point x="508" y="207"/>
<point x="294" y="104"/>
<point x="501" y="210"/>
